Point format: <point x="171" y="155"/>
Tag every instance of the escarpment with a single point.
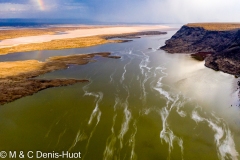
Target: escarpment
<point x="221" y="41"/>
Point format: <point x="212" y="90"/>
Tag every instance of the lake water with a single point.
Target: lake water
<point x="147" y="105"/>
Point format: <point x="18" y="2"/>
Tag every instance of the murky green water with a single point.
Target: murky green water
<point x="147" y="105"/>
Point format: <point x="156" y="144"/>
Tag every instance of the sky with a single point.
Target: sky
<point x="127" y="11"/>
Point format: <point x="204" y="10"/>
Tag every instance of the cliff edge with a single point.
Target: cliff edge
<point x="220" y="40"/>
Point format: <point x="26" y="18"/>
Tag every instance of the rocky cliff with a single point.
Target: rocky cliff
<point x="221" y="42"/>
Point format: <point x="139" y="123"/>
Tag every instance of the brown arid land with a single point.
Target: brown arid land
<point x="75" y="42"/>
<point x="16" y="33"/>
<point x="16" y="77"/>
<point x="57" y="44"/>
<point x="216" y="26"/>
<point x="74" y="38"/>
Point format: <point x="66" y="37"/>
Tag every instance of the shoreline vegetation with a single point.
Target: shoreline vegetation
<point x="16" y="77"/>
<point x="78" y="42"/>
<point x="67" y="37"/>
<point x="57" y="44"/>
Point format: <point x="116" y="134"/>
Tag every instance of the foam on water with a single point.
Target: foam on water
<point x="223" y="137"/>
<point x="96" y="113"/>
<point x="132" y="141"/>
<point x="145" y="89"/>
<point x="126" y="119"/>
<point x="166" y="134"/>
<point x="145" y="70"/>
<point x="111" y="77"/>
<point x="125" y="70"/>
<point x="79" y="137"/>
<point x="112" y="139"/>
<point x="175" y="102"/>
<point x="181" y="112"/>
<point x="60" y="137"/>
<point x="110" y="144"/>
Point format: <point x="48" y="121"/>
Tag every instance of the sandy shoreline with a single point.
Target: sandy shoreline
<point x="87" y="32"/>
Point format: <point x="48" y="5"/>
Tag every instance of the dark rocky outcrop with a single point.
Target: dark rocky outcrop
<point x="224" y="46"/>
<point x="200" y="56"/>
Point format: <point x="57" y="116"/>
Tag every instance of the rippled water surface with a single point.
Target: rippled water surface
<point x="147" y="105"/>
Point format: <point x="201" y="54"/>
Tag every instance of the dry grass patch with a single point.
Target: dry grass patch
<point x="9" y="34"/>
<point x="14" y="76"/>
<point x="32" y="68"/>
<point x="216" y="26"/>
<point x="78" y="42"/>
<point x="57" y="44"/>
<point x="16" y="67"/>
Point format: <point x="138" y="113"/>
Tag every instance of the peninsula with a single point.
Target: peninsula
<point x="16" y="78"/>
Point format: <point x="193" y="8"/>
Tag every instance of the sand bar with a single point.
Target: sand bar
<point x="87" y="32"/>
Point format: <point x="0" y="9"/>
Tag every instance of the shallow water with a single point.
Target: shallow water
<point x="146" y="105"/>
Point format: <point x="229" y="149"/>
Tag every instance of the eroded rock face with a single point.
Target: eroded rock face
<point x="224" y="46"/>
<point x="226" y="62"/>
